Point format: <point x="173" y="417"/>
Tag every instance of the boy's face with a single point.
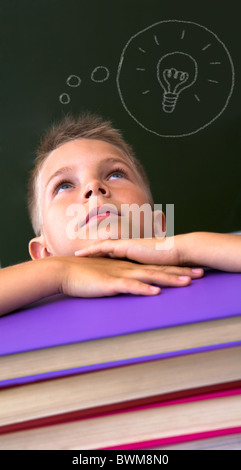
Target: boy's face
<point x="87" y="173"/>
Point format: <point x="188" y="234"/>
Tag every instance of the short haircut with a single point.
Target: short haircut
<point x="86" y="126"/>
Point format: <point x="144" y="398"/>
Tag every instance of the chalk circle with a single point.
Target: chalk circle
<point x="98" y="70"/>
<point x="73" y="81"/>
<point x="64" y="98"/>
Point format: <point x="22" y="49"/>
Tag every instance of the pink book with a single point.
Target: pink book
<point x="148" y="444"/>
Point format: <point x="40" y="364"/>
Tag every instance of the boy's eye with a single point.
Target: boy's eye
<point x="62" y="186"/>
<point x="118" y="173"/>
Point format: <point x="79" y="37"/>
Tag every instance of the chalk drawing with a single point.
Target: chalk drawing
<point x="156" y="40"/>
<point x="64" y="98"/>
<point x="174" y="78"/>
<point x="175" y="81"/>
<point x="73" y="81"/>
<point x="100" y="74"/>
<point x="206" y="47"/>
<point x="169" y="78"/>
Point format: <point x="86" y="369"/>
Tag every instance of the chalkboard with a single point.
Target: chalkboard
<point x="166" y="73"/>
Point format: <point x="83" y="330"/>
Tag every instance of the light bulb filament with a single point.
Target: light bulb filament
<point x="174" y="79"/>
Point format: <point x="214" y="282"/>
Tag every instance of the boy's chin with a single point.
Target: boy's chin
<point x="116" y="232"/>
<point x="104" y="231"/>
<point x="104" y="234"/>
<point x="117" y="229"/>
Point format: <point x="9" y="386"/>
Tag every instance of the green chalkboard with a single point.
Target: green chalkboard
<point x="166" y="73"/>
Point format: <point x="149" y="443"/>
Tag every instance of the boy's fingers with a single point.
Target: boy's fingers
<point x="103" y="248"/>
<point x="114" y="248"/>
<point x="133" y="286"/>
<point x="180" y="271"/>
<point x="154" y="276"/>
<point x="142" y="284"/>
<point x="95" y="246"/>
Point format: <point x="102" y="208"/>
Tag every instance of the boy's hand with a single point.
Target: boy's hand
<point x="167" y="251"/>
<point x="142" y="250"/>
<point x="98" y="277"/>
<point x="213" y="250"/>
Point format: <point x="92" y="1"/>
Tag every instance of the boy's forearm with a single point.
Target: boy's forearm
<point x="214" y="250"/>
<point x="28" y="282"/>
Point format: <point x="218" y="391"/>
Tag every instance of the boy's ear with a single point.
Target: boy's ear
<point x="37" y="248"/>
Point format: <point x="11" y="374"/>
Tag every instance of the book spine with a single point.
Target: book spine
<point x="169" y="399"/>
<point x="175" y="439"/>
<point x="24" y="380"/>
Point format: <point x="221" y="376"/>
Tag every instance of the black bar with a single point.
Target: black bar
<point x="167" y="459"/>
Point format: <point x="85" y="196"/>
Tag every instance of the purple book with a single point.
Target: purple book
<point x="61" y="320"/>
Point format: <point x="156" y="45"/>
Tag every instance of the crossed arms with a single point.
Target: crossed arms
<point x="110" y="267"/>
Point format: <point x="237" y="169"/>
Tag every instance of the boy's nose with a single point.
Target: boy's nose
<point x="94" y="188"/>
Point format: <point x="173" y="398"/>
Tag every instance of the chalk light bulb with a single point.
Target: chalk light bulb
<point x="176" y="72"/>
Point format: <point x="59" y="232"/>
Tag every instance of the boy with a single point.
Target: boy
<point x="86" y="163"/>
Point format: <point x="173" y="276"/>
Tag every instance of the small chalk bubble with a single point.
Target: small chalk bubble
<point x="102" y="74"/>
<point x="64" y="98"/>
<point x="73" y="81"/>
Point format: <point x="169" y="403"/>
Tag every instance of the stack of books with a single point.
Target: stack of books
<point x="124" y="372"/>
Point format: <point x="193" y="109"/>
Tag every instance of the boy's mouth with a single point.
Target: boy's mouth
<point x="100" y="213"/>
<point x="100" y="216"/>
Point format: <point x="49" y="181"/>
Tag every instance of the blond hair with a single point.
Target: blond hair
<point x="86" y="126"/>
